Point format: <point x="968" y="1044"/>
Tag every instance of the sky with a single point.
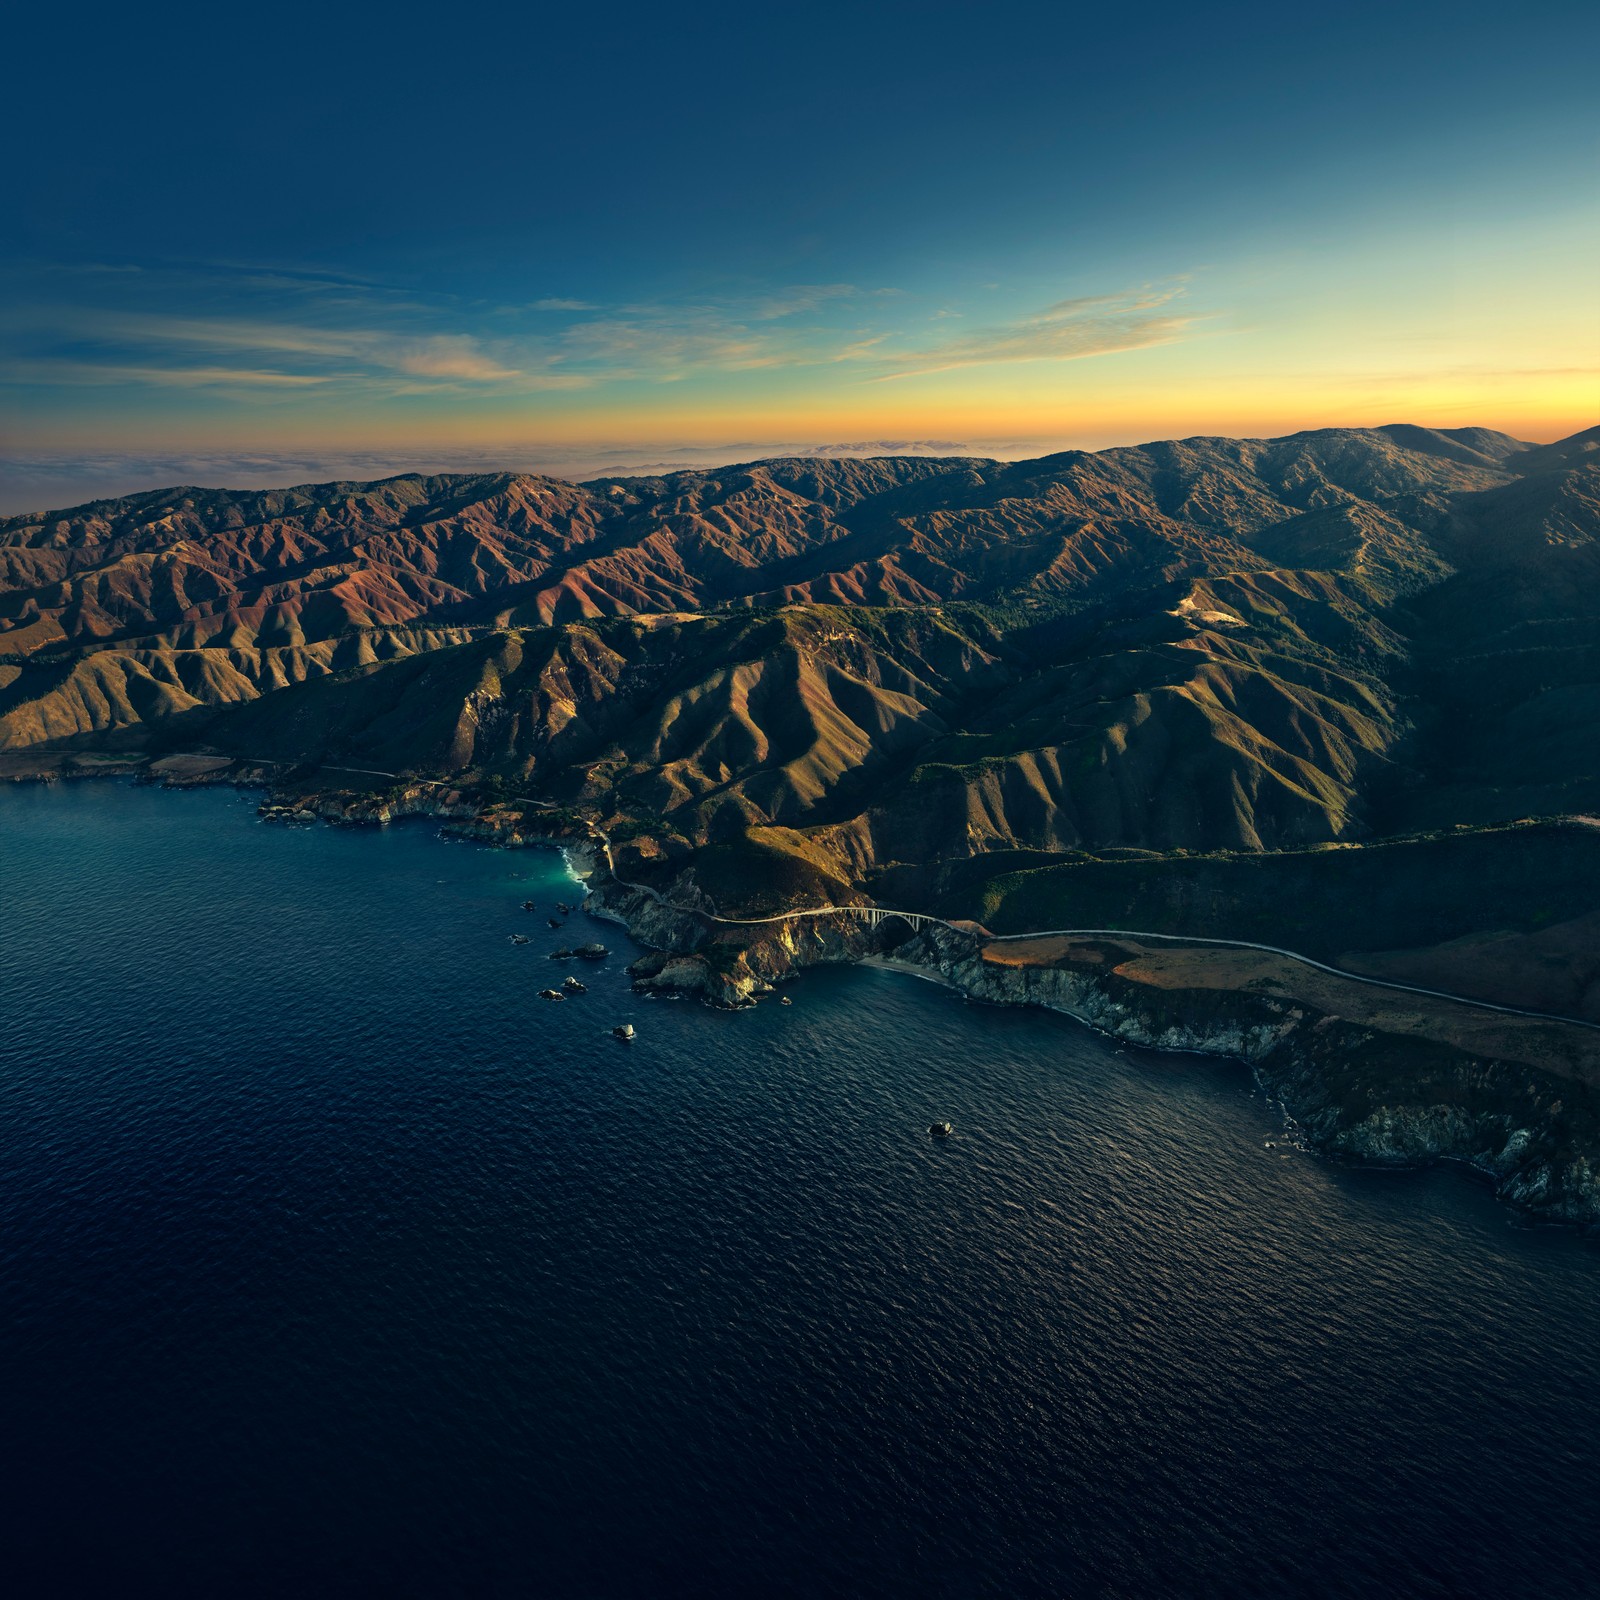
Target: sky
<point x="250" y="245"/>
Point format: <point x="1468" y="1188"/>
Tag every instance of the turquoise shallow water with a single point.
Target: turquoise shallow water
<point x="332" y="1261"/>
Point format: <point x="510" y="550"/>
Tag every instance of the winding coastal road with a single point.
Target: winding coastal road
<point x="1294" y="955"/>
<point x="919" y="918"/>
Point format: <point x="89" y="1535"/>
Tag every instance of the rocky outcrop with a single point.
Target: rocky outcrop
<point x="356" y="808"/>
<point x="721" y="964"/>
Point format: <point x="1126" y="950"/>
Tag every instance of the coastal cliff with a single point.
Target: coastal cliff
<point x="1351" y="1089"/>
<point x="1361" y="1074"/>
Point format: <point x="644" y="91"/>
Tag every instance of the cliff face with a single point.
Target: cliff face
<point x="1361" y="1075"/>
<point x="1351" y="1090"/>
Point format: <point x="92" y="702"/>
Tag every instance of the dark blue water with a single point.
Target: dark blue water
<point x="332" y="1261"/>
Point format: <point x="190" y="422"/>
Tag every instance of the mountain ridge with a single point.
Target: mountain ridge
<point x="889" y="667"/>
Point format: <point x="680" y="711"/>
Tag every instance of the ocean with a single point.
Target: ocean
<point x="333" y="1261"/>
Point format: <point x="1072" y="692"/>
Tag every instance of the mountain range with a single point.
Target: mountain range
<point x="1198" y="681"/>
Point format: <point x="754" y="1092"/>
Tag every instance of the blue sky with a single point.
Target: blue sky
<point x="243" y="237"/>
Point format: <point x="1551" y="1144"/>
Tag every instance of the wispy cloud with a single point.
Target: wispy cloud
<point x="79" y="373"/>
<point x="296" y="328"/>
<point x="1069" y="330"/>
<point x="159" y="348"/>
<point x="668" y="342"/>
<point x="164" y="331"/>
<point x="664" y="345"/>
<point x="447" y="356"/>
<point x="803" y="297"/>
<point x="250" y="328"/>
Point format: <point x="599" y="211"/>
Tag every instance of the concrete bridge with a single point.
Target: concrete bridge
<point x="871" y="915"/>
<point x="876" y="914"/>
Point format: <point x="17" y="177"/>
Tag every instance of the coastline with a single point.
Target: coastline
<point x="1354" y="1088"/>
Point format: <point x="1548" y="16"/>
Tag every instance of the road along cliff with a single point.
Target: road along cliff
<point x="1363" y="1073"/>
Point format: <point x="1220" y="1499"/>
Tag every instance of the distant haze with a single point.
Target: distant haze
<point x="47" y="483"/>
<point x="51" y="482"/>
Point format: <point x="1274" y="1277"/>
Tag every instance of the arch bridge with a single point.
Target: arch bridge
<point x="874" y="915"/>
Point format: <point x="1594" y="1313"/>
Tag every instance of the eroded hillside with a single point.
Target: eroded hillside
<point x="874" y="670"/>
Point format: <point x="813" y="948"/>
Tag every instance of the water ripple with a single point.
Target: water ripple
<point x="335" y="1262"/>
